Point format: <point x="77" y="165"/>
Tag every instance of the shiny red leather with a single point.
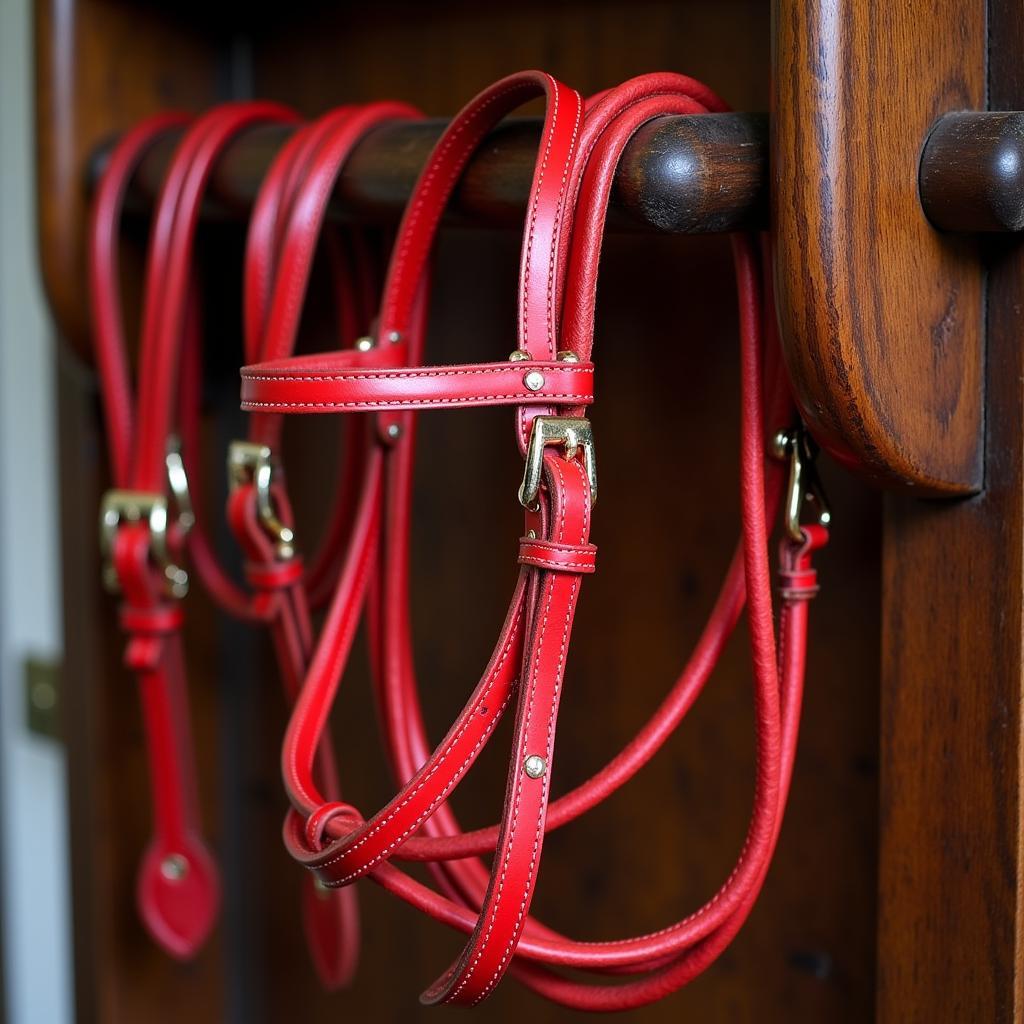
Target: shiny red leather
<point x="179" y="907"/>
<point x="557" y="287"/>
<point x="362" y="566"/>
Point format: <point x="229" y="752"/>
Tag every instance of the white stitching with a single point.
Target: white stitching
<point x="407" y="798"/>
<point x="570" y="606"/>
<point x="251" y="403"/>
<point x="285" y="375"/>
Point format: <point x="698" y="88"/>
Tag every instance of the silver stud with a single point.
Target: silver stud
<point x="565" y="356"/>
<point x="364" y="344"/>
<point x="518" y="356"/>
<point x="394" y="431"/>
<point x="394" y="337"/>
<point x="174" y="867"/>
<point x="535" y="766"/>
<point x="534" y="380"/>
<point x="531" y="534"/>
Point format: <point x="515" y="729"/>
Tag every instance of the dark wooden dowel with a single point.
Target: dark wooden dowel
<point x="972" y="172"/>
<point x="691" y="174"/>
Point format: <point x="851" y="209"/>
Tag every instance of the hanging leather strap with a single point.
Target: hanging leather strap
<point x="333" y="839"/>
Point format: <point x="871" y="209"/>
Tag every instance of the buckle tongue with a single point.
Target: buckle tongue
<point x="249" y="461"/>
<point x="575" y="434"/>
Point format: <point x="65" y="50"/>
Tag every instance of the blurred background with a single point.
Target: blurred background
<point x="36" y="909"/>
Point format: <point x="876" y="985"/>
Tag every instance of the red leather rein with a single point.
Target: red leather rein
<point x="363" y="565"/>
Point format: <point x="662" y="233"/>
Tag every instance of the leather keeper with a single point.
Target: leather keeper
<point x="156" y="621"/>
<point x="547" y="554"/>
<point x="798" y="584"/>
<point x="274" y="575"/>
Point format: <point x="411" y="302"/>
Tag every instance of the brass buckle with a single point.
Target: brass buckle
<point x="249" y="461"/>
<point x="119" y="507"/>
<point x="575" y="434"/>
<point x="804" y="485"/>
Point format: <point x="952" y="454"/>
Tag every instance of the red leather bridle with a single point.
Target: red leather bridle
<point x="363" y="565"/>
<point x="548" y="380"/>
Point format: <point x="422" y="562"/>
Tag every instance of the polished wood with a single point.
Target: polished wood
<point x="882" y="316"/>
<point x="692" y="175"/>
<point x="951" y="870"/>
<point x="972" y="171"/>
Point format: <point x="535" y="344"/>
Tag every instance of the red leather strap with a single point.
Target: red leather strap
<point x="324" y="385"/>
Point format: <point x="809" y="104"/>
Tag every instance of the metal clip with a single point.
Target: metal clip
<point x="247" y="461"/>
<point x="575" y="434"/>
<point x="177" y="478"/>
<point x="120" y="507"/>
<point x="804" y="485"/>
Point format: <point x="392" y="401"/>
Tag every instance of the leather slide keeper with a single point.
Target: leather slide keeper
<point x="547" y="554"/>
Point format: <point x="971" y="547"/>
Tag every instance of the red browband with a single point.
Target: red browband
<point x="381" y="379"/>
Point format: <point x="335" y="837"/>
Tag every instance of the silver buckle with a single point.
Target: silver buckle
<point x="575" y="434"/>
<point x="247" y="461"/>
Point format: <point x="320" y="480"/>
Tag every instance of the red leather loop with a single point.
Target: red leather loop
<point x="274" y="575"/>
<point x="317" y="822"/>
<point x="545" y="554"/>
<point x="157" y="621"/>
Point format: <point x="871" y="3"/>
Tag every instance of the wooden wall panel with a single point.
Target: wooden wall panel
<point x="951" y="923"/>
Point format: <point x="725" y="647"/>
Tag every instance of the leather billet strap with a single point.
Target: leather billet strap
<point x="557" y="288"/>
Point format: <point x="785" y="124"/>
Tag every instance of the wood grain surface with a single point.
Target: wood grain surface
<point x="882" y="316"/>
<point x="951" y="921"/>
<point x="694" y="175"/>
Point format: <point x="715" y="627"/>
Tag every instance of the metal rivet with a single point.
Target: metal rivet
<point x="174" y="867"/>
<point x="394" y="337"/>
<point x="364" y="344"/>
<point x="394" y="431"/>
<point x="565" y="356"/>
<point x="534" y="380"/>
<point x="535" y="766"/>
<point x="518" y="356"/>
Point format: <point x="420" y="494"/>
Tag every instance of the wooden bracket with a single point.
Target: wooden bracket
<point x="881" y="315"/>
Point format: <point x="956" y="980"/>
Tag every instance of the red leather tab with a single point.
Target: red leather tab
<point x="274" y="575"/>
<point x="332" y="386"/>
<point x="546" y="554"/>
<point x="798" y="581"/>
<point x="158" y="620"/>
